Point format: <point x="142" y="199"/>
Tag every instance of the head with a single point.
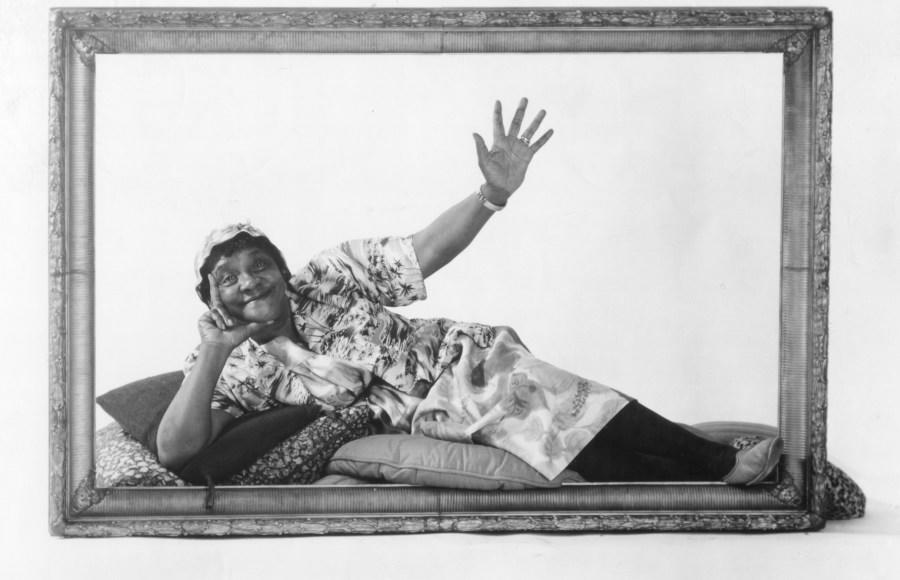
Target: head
<point x="249" y="271"/>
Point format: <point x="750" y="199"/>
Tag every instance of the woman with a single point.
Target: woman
<point x="325" y="337"/>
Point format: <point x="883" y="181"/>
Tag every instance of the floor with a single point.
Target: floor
<point x="866" y="548"/>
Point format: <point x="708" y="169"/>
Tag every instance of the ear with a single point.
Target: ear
<point x="202" y="290"/>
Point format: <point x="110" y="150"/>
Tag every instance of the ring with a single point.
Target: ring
<point x="525" y="140"/>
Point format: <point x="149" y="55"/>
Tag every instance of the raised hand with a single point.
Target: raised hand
<point x="505" y="164"/>
<point x="217" y="326"/>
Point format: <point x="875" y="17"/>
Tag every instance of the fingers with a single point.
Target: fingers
<point x="216" y="308"/>
<point x="517" y="119"/>
<point x="533" y="127"/>
<point x="214" y="300"/>
<point x="221" y="321"/>
<point x="540" y="142"/>
<point x="499" y="133"/>
<point x="481" y="150"/>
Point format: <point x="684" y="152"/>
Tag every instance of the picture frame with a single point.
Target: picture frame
<point x="795" y="502"/>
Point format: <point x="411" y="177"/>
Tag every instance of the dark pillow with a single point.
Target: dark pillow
<point x="139" y="406"/>
<point x="245" y="440"/>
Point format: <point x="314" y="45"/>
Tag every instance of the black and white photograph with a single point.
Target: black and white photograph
<point x="458" y="279"/>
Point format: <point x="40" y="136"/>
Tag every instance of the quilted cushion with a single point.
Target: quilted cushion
<point x="419" y="460"/>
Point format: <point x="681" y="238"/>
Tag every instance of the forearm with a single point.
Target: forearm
<point x="444" y="238"/>
<point x="187" y="426"/>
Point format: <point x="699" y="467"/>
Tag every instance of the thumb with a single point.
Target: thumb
<point x="480" y="149"/>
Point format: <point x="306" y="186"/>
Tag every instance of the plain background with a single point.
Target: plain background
<point x="642" y="250"/>
<point x="862" y="372"/>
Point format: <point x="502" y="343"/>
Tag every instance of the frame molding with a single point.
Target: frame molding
<point x="795" y="502"/>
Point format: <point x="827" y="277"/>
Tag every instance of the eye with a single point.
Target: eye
<point x="260" y="264"/>
<point x="227" y="279"/>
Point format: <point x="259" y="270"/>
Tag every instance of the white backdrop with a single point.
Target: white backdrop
<point x="863" y="372"/>
<point x="642" y="251"/>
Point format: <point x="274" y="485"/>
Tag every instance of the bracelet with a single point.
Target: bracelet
<point x="488" y="203"/>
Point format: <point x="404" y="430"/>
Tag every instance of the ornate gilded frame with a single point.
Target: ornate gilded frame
<point x="795" y="502"/>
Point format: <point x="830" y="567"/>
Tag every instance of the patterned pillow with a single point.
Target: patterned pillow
<point x="122" y="461"/>
<point x="245" y="440"/>
<point x="845" y="499"/>
<point x="301" y="459"/>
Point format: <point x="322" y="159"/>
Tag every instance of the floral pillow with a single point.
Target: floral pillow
<point x="122" y="460"/>
<point x="301" y="459"/>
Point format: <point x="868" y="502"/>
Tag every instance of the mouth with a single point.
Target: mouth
<point x="260" y="296"/>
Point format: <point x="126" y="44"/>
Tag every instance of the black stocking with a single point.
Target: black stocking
<point x="640" y="445"/>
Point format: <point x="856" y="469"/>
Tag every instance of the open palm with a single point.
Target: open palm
<point x="505" y="163"/>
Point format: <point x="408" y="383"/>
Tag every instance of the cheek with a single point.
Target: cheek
<point x="229" y="295"/>
<point x="230" y="300"/>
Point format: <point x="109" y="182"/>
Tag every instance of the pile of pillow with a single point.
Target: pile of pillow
<point x="298" y="445"/>
<point x="288" y="445"/>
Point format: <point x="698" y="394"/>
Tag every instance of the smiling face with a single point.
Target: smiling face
<point x="251" y="286"/>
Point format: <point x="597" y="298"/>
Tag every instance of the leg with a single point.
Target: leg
<point x="639" y="429"/>
<point x="689" y="457"/>
<point x="602" y="462"/>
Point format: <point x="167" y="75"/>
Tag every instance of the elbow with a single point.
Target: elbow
<point x="172" y="452"/>
<point x="171" y="457"/>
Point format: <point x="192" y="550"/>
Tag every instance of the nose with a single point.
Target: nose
<point x="248" y="281"/>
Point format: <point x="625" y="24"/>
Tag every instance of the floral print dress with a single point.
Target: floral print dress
<point x="445" y="379"/>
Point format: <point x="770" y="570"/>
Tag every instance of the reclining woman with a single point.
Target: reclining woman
<point x="326" y="337"/>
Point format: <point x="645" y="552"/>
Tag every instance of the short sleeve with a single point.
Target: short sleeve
<point x="384" y="270"/>
<point x="220" y="398"/>
<point x="222" y="402"/>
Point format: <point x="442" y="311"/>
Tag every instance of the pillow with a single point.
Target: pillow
<point x="726" y="431"/>
<point x="139" y="406"/>
<point x="122" y="460"/>
<point x="420" y="460"/>
<point x="844" y="499"/>
<point x="245" y="440"/>
<point x="336" y="479"/>
<point x="301" y="458"/>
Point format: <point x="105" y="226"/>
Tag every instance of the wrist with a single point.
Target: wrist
<point x="494" y="194"/>
<point x="486" y="203"/>
<point x="215" y="349"/>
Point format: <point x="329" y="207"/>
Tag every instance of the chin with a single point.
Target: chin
<point x="261" y="315"/>
<point x="265" y="312"/>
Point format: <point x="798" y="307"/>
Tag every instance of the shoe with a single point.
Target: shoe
<point x="753" y="464"/>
